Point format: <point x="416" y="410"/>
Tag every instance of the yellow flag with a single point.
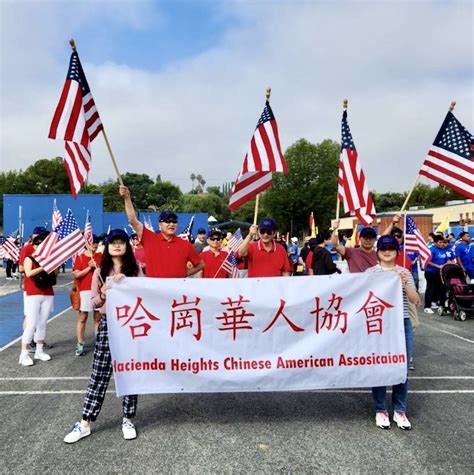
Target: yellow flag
<point x="311" y="225"/>
<point x="353" y="240"/>
<point x="443" y="226"/>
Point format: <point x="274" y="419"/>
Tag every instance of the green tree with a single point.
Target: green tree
<point x="388" y="201"/>
<point x="205" y="203"/>
<point x="45" y="177"/>
<point x="310" y="185"/>
<point x="164" y="195"/>
<point x="138" y="184"/>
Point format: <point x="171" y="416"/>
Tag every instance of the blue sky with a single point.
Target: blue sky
<point x="180" y="84"/>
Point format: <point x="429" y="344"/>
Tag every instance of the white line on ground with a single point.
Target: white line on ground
<point x="70" y="378"/>
<point x="448" y="333"/>
<point x="16" y="340"/>
<point x="332" y="391"/>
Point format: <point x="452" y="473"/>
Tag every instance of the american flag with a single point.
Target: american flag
<point x="56" y="217"/>
<point x="60" y="245"/>
<point x="235" y="241"/>
<point x="88" y="234"/>
<point x="148" y="225"/>
<point x="9" y="249"/>
<point x="188" y="230"/>
<point x="77" y="122"/>
<point x="263" y="157"/>
<point x="415" y="242"/>
<point x="352" y="188"/>
<point x="450" y="160"/>
<point x="230" y="265"/>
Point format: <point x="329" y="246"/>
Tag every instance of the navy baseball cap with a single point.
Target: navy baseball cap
<point x="95" y="239"/>
<point x="267" y="223"/>
<point x="215" y="232"/>
<point x="368" y="232"/>
<point x="39" y="230"/>
<point x="116" y="234"/>
<point x="168" y="214"/>
<point x="201" y="231"/>
<point x="387" y="241"/>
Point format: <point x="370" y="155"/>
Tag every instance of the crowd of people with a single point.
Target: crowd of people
<point x="260" y="254"/>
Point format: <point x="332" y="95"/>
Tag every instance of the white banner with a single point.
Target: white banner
<point x="267" y="334"/>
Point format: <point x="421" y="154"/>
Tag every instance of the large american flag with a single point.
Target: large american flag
<point x="352" y="187"/>
<point x="77" y="122"/>
<point x="415" y="242"/>
<point x="263" y="157"/>
<point x="60" y="245"/>
<point x="56" y="217"/>
<point x="450" y="160"/>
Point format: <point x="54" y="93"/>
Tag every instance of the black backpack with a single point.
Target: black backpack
<point x="43" y="280"/>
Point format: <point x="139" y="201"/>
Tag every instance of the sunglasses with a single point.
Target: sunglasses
<point x="215" y="239"/>
<point x="269" y="232"/>
<point x="169" y="221"/>
<point x="384" y="249"/>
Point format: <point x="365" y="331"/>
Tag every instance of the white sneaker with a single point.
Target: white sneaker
<point x="128" y="429"/>
<point x="78" y="432"/>
<point x="428" y="310"/>
<point x="41" y="355"/>
<point x="401" y="420"/>
<point x="382" y="420"/>
<point x="434" y="305"/>
<point x="25" y="360"/>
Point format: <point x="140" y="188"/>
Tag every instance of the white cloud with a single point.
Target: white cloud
<point x="400" y="64"/>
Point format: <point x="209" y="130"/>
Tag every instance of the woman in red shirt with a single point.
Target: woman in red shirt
<point x="38" y="306"/>
<point x="84" y="266"/>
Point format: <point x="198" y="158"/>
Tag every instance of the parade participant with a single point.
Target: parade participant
<point x="361" y="258"/>
<point x="10" y="269"/>
<point x="118" y="261"/>
<point x="200" y="242"/>
<point x="387" y="251"/>
<point x="214" y="256"/>
<point x="83" y="268"/>
<point x="265" y="257"/>
<point x="139" y="251"/>
<point x="293" y="251"/>
<point x="462" y="253"/>
<point x="166" y="255"/>
<point x="435" y="290"/>
<point x="305" y="250"/>
<point x="38" y="305"/>
<point x="322" y="263"/>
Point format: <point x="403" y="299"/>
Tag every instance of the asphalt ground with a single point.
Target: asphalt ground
<point x="287" y="432"/>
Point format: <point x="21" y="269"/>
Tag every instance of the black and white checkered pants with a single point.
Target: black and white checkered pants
<point x="100" y="377"/>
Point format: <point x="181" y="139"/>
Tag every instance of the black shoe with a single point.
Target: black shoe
<point x="47" y="347"/>
<point x="31" y="347"/>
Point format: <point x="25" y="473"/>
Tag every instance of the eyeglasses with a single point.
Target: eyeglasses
<point x="169" y="221"/>
<point x="385" y="249"/>
<point x="269" y="232"/>
<point x="215" y="239"/>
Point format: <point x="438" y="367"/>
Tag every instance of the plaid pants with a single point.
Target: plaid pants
<point x="100" y="377"/>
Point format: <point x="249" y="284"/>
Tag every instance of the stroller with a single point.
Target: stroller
<point x="459" y="294"/>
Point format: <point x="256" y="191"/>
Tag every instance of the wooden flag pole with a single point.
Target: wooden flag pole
<point x="119" y="177"/>
<point x="451" y="108"/>
<point x="268" y="92"/>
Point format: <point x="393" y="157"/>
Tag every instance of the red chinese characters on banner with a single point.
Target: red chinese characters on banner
<point x="186" y="316"/>
<point x="373" y="308"/>
<point x="279" y="313"/>
<point x="235" y="317"/>
<point x="332" y="317"/>
<point x="138" y="313"/>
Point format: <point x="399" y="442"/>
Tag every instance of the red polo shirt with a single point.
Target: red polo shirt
<point x="262" y="263"/>
<point x="26" y="250"/>
<point x="213" y="263"/>
<point x="165" y="258"/>
<point x="82" y="262"/>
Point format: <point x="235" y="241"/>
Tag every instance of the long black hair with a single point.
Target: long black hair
<point x="129" y="263"/>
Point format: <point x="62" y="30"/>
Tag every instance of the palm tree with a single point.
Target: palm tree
<point x="198" y="178"/>
<point x="202" y="182"/>
<point x="193" y="178"/>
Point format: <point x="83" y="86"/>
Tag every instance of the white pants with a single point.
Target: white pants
<point x="37" y="310"/>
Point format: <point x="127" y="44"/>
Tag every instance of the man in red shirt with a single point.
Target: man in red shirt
<point x="265" y="257"/>
<point x="214" y="257"/>
<point x="359" y="259"/>
<point x="166" y="255"/>
<point x="83" y="267"/>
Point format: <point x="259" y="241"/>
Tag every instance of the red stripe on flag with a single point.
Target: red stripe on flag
<point x="447" y="183"/>
<point x="268" y="147"/>
<point x="255" y="155"/>
<point x="74" y="116"/>
<point x="277" y="141"/>
<point x="59" y="110"/>
<point x="451" y="161"/>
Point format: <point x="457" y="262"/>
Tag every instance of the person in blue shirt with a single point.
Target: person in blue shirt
<point x="463" y="254"/>
<point x="293" y="253"/>
<point x="435" y="290"/>
<point x="414" y="258"/>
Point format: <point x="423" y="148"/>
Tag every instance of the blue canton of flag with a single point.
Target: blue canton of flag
<point x="67" y="225"/>
<point x="230" y="265"/>
<point x="346" y="137"/>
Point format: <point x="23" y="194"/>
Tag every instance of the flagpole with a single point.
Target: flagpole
<point x="345" y="104"/>
<point x="451" y="108"/>
<point x="119" y="177"/>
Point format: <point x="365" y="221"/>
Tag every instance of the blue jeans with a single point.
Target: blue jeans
<point x="399" y="391"/>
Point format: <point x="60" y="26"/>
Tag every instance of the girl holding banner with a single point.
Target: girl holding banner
<point x="118" y="261"/>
